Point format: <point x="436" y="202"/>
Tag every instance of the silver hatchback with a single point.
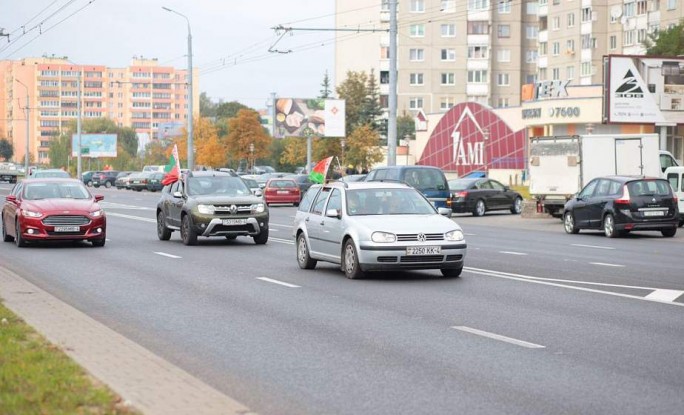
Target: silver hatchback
<point x="376" y="226"/>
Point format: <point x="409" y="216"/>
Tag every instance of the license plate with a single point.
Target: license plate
<point x="229" y="222"/>
<point x="654" y="213"/>
<point x="67" y="228"/>
<point x="423" y="250"/>
<point x="282" y="192"/>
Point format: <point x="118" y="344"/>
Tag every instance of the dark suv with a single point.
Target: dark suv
<point x="620" y="204"/>
<point x="211" y="203"/>
<point x="104" y="178"/>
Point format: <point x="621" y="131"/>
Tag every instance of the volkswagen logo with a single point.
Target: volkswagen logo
<point x="233" y="209"/>
<point x="421" y="237"/>
<point x="653" y="200"/>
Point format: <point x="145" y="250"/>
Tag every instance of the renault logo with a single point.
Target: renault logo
<point x="233" y="209"/>
<point x="421" y="237"/>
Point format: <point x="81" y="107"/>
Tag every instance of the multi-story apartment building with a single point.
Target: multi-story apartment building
<point x="145" y="96"/>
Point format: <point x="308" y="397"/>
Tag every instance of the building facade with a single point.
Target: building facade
<point x="150" y="98"/>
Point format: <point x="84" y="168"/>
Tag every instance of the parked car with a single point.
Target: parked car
<point x="139" y="181"/>
<point x="122" y="179"/>
<point x="53" y="209"/>
<point x="621" y="204"/>
<point x="263" y="178"/>
<point x="353" y="178"/>
<point x="252" y="185"/>
<point x="154" y="181"/>
<point x="675" y="175"/>
<point x="303" y="181"/>
<point x="49" y="173"/>
<point x="430" y="181"/>
<point x="87" y="178"/>
<point x="105" y="178"/>
<point x="477" y="196"/>
<point x="154" y="168"/>
<point x="211" y="204"/>
<point x="376" y="226"/>
<point x="282" y="191"/>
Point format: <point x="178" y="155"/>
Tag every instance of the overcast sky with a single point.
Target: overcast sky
<point x="230" y="44"/>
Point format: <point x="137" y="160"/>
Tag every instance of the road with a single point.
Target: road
<point x="540" y="322"/>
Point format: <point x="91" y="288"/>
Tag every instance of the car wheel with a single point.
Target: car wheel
<point x="98" y="243"/>
<point x="5" y="237"/>
<point x="350" y="261"/>
<point x="97" y="186"/>
<point x="90" y="183"/>
<point x="262" y="238"/>
<point x="517" y="206"/>
<point x="163" y="233"/>
<point x="609" y="226"/>
<point x="295" y="204"/>
<point x="669" y="233"/>
<point x="18" y="240"/>
<point x="479" y="209"/>
<point x="303" y="258"/>
<point x="451" y="272"/>
<point x="569" y="223"/>
<point x="188" y="234"/>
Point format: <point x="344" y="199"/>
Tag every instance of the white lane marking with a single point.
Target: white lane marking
<point x="168" y="255"/>
<point x="606" y="265"/>
<point x="278" y="224"/>
<point x="275" y="230"/>
<point x="281" y="241"/>
<point x="665" y="295"/>
<point x="546" y="281"/>
<point x="593" y="246"/>
<point x="113" y="205"/>
<point x="470" y="234"/>
<point x="121" y="215"/>
<point x="107" y="239"/>
<point x="278" y="282"/>
<point x="512" y="253"/>
<point x="499" y="337"/>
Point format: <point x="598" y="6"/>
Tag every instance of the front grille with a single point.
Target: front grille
<point x="405" y="237"/>
<point x="454" y="258"/>
<point x="51" y="233"/>
<point x="66" y="220"/>
<point x="422" y="258"/>
<point x="387" y="259"/>
<point x="226" y="208"/>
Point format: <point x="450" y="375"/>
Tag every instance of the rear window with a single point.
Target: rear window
<point x="425" y="179"/>
<point x="282" y="184"/>
<point x="649" y="188"/>
<point x="460" y="184"/>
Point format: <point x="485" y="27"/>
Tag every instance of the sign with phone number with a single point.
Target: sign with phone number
<point x="564" y="112"/>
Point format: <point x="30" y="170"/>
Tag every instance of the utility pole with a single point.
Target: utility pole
<point x="273" y="113"/>
<point x="78" y="127"/>
<point x="26" y="157"/>
<point x="392" y="99"/>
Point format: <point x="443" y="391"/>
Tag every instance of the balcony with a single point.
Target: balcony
<point x="478" y="40"/>
<point x="477" y="89"/>
<point x="543" y="36"/>
<point x="473" y="64"/>
<point x="477" y="15"/>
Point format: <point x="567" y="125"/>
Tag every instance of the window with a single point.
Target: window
<point x="384" y="52"/>
<point x="448" y="30"/>
<point x="384" y="77"/>
<point x="504" y="6"/>
<point x="478" y="52"/>
<point x="555" y="23"/>
<point x="532" y="8"/>
<point x="504" y="31"/>
<point x="586" y="14"/>
<point x="588" y="42"/>
<point x="628" y="37"/>
<point x="478" y="28"/>
<point x="671" y="4"/>
<point x="612" y="42"/>
<point x="477" y="77"/>
<point x="448" y="55"/>
<point x="448" y="78"/>
<point x="502" y="103"/>
<point x="416" y="55"/>
<point x="587" y="69"/>
<point x="478" y="4"/>
<point x="416" y="103"/>
<point x="417" y="6"/>
<point x="641" y="35"/>
<point x="629" y="9"/>
<point x="571" y="19"/>
<point x="446" y="103"/>
<point x="555" y="74"/>
<point x="503" y="55"/>
<point x="384" y="5"/>
<point x="570" y="46"/>
<point x="448" y="6"/>
<point x="570" y="72"/>
<point x="320" y="201"/>
<point x="416" y="79"/>
<point x="531" y="32"/>
<point x="542" y="74"/>
<point x="543" y="48"/>
<point x="502" y="79"/>
<point x="417" y="30"/>
<point x="531" y="56"/>
<point x="555" y="49"/>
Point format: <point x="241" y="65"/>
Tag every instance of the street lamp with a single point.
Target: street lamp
<point x="26" y="158"/>
<point x="251" y="155"/>
<point x="191" y="152"/>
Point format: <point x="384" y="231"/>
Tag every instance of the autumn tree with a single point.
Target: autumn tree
<point x="208" y="149"/>
<point x="406" y="127"/>
<point x="156" y="153"/>
<point x="362" y="147"/>
<point x="353" y="90"/>
<point x="229" y="109"/>
<point x="246" y="129"/>
<point x="294" y="151"/>
<point x="207" y="106"/>
<point x="668" y="42"/>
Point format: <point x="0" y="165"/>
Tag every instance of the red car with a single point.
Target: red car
<point x="282" y="191"/>
<point x="53" y="209"/>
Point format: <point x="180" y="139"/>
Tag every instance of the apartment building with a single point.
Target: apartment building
<point x="146" y="96"/>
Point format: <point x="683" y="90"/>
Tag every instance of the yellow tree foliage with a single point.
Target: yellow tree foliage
<point x="294" y="151"/>
<point x="246" y="129"/>
<point x="211" y="152"/>
<point x="362" y="149"/>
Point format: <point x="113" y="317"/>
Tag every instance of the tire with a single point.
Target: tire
<point x="681" y="223"/>
<point x="163" y="233"/>
<point x="609" y="226"/>
<point x="350" y="261"/>
<point x="517" y="206"/>
<point x="188" y="234"/>
<point x="5" y="237"/>
<point x="97" y="186"/>
<point x="262" y="238"/>
<point x="108" y="185"/>
<point x="569" y="223"/>
<point x="18" y="240"/>
<point x="98" y="243"/>
<point x="303" y="258"/>
<point x="480" y="208"/>
<point x="90" y="183"/>
<point x="295" y="204"/>
<point x="669" y="233"/>
<point x="451" y="272"/>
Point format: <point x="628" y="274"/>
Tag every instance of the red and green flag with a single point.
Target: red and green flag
<point x="172" y="169"/>
<point x="320" y="170"/>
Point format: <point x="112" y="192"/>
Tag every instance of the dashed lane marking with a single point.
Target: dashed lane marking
<point x="512" y="253"/>
<point x="168" y="255"/>
<point x="281" y="241"/>
<point x="499" y="337"/>
<point x="593" y="246"/>
<point x="603" y="264"/>
<point x="278" y="282"/>
<point x="121" y="215"/>
<point x="665" y="295"/>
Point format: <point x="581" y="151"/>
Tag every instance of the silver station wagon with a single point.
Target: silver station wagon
<point x="376" y="226"/>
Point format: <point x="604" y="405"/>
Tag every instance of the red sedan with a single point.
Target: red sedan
<point x="282" y="191"/>
<point x="53" y="209"/>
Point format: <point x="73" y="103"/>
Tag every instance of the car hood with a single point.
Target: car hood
<point x="406" y="223"/>
<point x="226" y="200"/>
<point x="61" y="205"/>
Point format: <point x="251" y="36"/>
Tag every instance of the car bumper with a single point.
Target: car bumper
<point x="373" y="257"/>
<point x="626" y="222"/>
<point x="460" y="207"/>
<point x="32" y="229"/>
<point x="283" y="199"/>
<point x="214" y="226"/>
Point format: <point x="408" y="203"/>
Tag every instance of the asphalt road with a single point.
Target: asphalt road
<point x="539" y="323"/>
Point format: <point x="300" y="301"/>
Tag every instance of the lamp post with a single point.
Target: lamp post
<point x="343" y="144"/>
<point x="191" y="151"/>
<point x="26" y="158"/>
<point x="407" y="137"/>
<point x="251" y="156"/>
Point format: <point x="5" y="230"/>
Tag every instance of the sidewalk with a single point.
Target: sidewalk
<point x="146" y="381"/>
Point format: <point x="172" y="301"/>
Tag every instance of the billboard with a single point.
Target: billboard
<point x="300" y="117"/>
<point x="94" y="145"/>
<point x="643" y="89"/>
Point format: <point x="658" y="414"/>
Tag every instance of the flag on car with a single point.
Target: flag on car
<point x="172" y="169"/>
<point x="320" y="170"/>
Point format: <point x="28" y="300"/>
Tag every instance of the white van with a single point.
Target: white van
<point x="675" y="175"/>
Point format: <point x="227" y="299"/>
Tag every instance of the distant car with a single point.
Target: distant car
<point x="252" y="185"/>
<point x="139" y="181"/>
<point x="53" y="209"/>
<point x="87" y="178"/>
<point x="263" y="178"/>
<point x="105" y="178"/>
<point x="49" y="173"/>
<point x="154" y="182"/>
<point x="122" y="179"/>
<point x="477" y="196"/>
<point x="374" y="227"/>
<point x="153" y="168"/>
<point x="353" y="178"/>
<point x="262" y="170"/>
<point x="302" y="180"/>
<point x="621" y="204"/>
<point x="282" y="191"/>
<point x="429" y="180"/>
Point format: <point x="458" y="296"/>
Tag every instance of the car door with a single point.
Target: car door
<point x="9" y="211"/>
<point x="486" y="193"/>
<point x="331" y="227"/>
<point x="501" y="198"/>
<point x="314" y="223"/>
<point x="597" y="202"/>
<point x="175" y="204"/>
<point x="579" y="206"/>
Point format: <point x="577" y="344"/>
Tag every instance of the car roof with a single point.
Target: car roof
<point x="625" y="179"/>
<point x="51" y="180"/>
<point x="406" y="167"/>
<point x="366" y="185"/>
<point x="210" y="173"/>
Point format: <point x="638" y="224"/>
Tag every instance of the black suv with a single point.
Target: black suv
<point x="211" y="203"/>
<point x="104" y="178"/>
<point x="620" y="204"/>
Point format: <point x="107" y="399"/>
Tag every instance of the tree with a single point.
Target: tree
<point x="362" y="147"/>
<point x="60" y="150"/>
<point x="406" y="126"/>
<point x="229" y="109"/>
<point x="294" y="151"/>
<point x="207" y="106"/>
<point x="6" y="149"/>
<point x="371" y="111"/>
<point x="326" y="91"/>
<point x="246" y="129"/>
<point x="156" y="153"/>
<point x="208" y="149"/>
<point x="669" y="42"/>
<point x="353" y="90"/>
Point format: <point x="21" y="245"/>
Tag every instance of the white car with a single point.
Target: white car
<point x="376" y="226"/>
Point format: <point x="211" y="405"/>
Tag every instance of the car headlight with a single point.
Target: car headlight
<point x="383" y="237"/>
<point x="258" y="208"/>
<point x="31" y="214"/>
<point x="456" y="235"/>
<point x="97" y="213"/>
<point x="206" y="209"/>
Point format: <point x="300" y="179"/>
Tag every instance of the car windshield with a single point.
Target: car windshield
<point x="387" y="202"/>
<point x="460" y="184"/>
<point x="38" y="191"/>
<point x="49" y="174"/>
<point x="223" y="185"/>
<point x="251" y="182"/>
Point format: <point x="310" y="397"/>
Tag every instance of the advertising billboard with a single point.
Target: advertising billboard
<point x="643" y="89"/>
<point x="94" y="145"/>
<point x="300" y="117"/>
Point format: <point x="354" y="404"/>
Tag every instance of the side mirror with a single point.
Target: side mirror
<point x="333" y="213"/>
<point x="177" y="194"/>
<point x="258" y="193"/>
<point x="99" y="198"/>
<point x="444" y="212"/>
<point x="11" y="198"/>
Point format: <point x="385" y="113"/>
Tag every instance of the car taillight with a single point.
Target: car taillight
<point x="625" y="199"/>
<point x="461" y="194"/>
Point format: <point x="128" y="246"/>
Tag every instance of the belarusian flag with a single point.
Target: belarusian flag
<point x="320" y="171"/>
<point x="172" y="169"/>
